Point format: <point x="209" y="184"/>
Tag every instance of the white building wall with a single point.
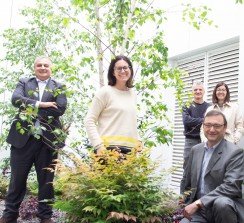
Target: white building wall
<point x="241" y="80"/>
<point x="181" y="38"/>
<point x="223" y="62"/>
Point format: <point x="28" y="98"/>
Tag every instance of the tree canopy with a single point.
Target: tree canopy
<point x="81" y="37"/>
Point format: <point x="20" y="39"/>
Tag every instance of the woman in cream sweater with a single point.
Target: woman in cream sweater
<point x="221" y="101"/>
<point x="111" y="121"/>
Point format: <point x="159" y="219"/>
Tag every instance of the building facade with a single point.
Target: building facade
<point x="223" y="61"/>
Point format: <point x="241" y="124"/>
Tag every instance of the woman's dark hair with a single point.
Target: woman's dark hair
<point x="111" y="77"/>
<point x="214" y="97"/>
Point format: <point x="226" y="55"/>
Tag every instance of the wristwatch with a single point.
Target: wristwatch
<point x="198" y="203"/>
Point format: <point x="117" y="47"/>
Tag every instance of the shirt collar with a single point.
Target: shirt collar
<point x="206" y="145"/>
<point x="40" y="81"/>
<point x="226" y="104"/>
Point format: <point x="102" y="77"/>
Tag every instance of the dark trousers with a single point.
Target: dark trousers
<point x="189" y="143"/>
<point x="223" y="211"/>
<point x="121" y="149"/>
<point x="21" y="160"/>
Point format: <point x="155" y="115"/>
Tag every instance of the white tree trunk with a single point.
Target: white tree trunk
<point x="99" y="44"/>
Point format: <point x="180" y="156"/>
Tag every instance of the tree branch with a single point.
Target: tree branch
<point x="127" y="26"/>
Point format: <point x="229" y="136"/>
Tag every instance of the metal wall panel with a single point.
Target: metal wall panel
<point x="210" y="67"/>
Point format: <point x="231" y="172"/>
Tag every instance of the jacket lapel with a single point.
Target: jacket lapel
<point x="200" y="159"/>
<point x="32" y="89"/>
<point x="215" y="157"/>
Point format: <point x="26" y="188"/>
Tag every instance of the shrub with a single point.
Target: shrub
<point x="113" y="188"/>
<point x="28" y="208"/>
<point x="4" y="177"/>
<point x="32" y="184"/>
<point x="4" y="181"/>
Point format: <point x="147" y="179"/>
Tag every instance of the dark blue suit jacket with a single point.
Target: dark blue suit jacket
<point x="25" y="97"/>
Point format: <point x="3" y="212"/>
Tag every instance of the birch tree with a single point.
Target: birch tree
<point x="81" y="37"/>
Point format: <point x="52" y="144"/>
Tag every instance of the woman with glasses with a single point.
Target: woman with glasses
<point x="221" y="101"/>
<point x="111" y="121"/>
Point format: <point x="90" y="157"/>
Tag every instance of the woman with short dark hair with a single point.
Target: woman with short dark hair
<point x="111" y="121"/>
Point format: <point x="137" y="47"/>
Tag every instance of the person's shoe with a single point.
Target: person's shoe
<point x="48" y="220"/>
<point x="8" y="220"/>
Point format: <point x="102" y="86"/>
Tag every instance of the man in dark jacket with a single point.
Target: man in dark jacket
<point x="192" y="119"/>
<point x="35" y="136"/>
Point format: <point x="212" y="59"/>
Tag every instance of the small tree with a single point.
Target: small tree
<point x="81" y="37"/>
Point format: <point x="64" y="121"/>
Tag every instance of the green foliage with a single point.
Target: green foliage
<point x="113" y="188"/>
<point x="68" y="32"/>
<point x="45" y="35"/>
<point x="196" y="16"/>
<point x="4" y="177"/>
<point x="81" y="37"/>
<point x="32" y="184"/>
<point x="3" y="186"/>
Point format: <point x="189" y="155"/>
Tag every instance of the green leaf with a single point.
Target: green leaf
<point x="22" y="131"/>
<point x="66" y="22"/>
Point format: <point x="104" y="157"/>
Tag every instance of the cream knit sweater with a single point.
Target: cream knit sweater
<point x="111" y="119"/>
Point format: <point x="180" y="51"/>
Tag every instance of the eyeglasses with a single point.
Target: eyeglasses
<point x="219" y="90"/>
<point x="210" y="125"/>
<point x="119" y="69"/>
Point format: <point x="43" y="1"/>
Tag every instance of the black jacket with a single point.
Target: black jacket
<point x="25" y="97"/>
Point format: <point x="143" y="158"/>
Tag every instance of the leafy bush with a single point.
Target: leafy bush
<point x="113" y="188"/>
<point x="174" y="217"/>
<point x="3" y="186"/>
<point x="32" y="184"/>
<point x="28" y="208"/>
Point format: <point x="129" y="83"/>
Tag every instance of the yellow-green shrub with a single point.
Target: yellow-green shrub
<point x="113" y="188"/>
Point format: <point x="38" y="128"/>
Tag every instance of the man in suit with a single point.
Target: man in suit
<point x="35" y="136"/>
<point x="214" y="176"/>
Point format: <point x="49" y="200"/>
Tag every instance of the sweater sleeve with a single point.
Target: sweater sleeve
<point x="188" y="120"/>
<point x="97" y="106"/>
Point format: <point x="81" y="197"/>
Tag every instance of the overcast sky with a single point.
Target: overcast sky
<point x="179" y="36"/>
<point x="229" y="17"/>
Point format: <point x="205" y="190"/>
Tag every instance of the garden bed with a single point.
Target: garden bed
<point x="58" y="217"/>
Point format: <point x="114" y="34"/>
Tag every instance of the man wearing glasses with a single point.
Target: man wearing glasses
<point x="213" y="176"/>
